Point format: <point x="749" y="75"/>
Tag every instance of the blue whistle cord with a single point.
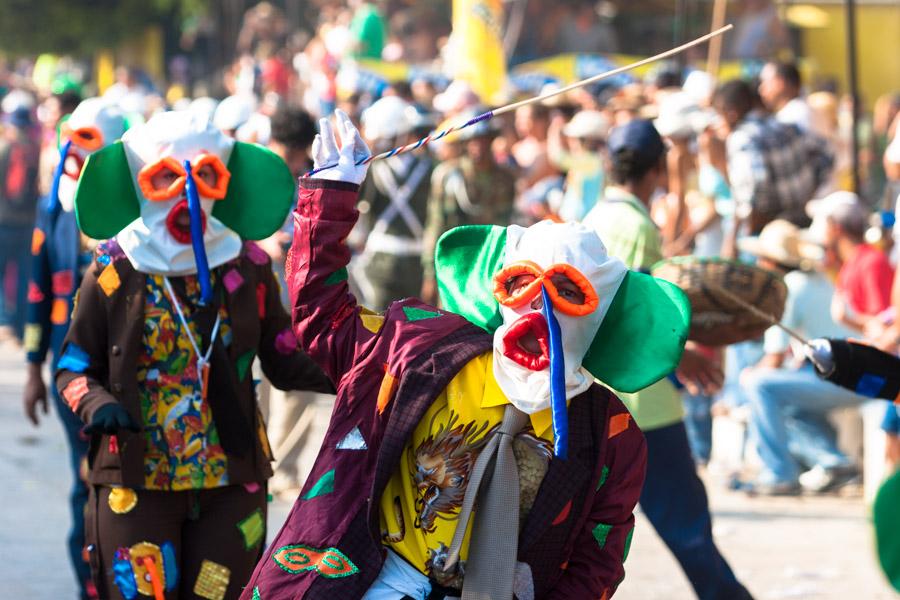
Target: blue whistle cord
<point x="196" y="212"/>
<point x="53" y="201"/>
<point x="558" y="407"/>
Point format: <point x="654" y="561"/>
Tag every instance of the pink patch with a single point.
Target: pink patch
<point x="286" y="342"/>
<point x="63" y="283"/>
<point x="75" y="391"/>
<point x="35" y="295"/>
<point x="232" y="281"/>
<point x="113" y="444"/>
<point x="251" y="487"/>
<point x="256" y="254"/>
<point x="261" y="299"/>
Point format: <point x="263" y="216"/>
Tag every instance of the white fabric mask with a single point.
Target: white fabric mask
<point x="546" y="244"/>
<point x="151" y="242"/>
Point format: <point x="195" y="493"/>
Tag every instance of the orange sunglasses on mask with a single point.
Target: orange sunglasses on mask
<point x="516" y="298"/>
<point x="88" y="137"/>
<point x="216" y="191"/>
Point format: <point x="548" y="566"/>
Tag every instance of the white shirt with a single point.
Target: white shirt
<point x="795" y="112"/>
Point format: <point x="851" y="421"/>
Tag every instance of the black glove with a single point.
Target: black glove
<point x="109" y="419"/>
<point x="859" y="368"/>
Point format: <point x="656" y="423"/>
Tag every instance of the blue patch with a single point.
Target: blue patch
<point x="170" y="565"/>
<point x="869" y="385"/>
<point x="74" y="359"/>
<point x="104" y="259"/>
<point x="123" y="576"/>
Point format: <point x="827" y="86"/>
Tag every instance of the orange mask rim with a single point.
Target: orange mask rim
<point x="92" y="142"/>
<point x="591" y="300"/>
<point x="147" y="172"/>
<point x="223" y="176"/>
<point x="526" y="294"/>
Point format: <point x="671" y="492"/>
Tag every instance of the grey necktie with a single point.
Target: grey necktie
<point x="495" y="533"/>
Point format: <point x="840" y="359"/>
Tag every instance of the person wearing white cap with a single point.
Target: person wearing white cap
<point x="787" y="399"/>
<point x="232" y="112"/>
<point x="578" y="149"/>
<point x="393" y="203"/>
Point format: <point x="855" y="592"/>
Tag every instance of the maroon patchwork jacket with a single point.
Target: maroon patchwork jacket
<point x="388" y="369"/>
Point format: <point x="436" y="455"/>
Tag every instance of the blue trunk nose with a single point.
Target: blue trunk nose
<point x="558" y="407"/>
<point x="195" y="211"/>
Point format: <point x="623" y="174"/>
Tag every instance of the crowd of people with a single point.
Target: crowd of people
<point x="677" y="164"/>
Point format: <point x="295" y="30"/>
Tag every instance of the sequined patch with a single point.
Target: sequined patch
<point x="253" y="528"/>
<point x="243" y="363"/>
<point x="256" y="595"/>
<point x="149" y="571"/>
<point x="123" y="574"/>
<point x="37" y="241"/>
<point x="418" y="314"/>
<point x="35" y="295"/>
<point x="256" y="254"/>
<point x="261" y="300"/>
<point x="75" y="391"/>
<point x="337" y="277"/>
<point x="63" y="282"/>
<point x="352" y="441"/>
<point x="618" y="424"/>
<point x="59" y="313"/>
<point x="122" y="500"/>
<point x="74" y="359"/>
<point x="325" y="485"/>
<point x="604" y="474"/>
<point x="386" y="391"/>
<point x="32" y="337"/>
<point x="170" y="565"/>
<point x="109" y="279"/>
<point x="286" y="342"/>
<point x="563" y="514"/>
<point x="232" y="281"/>
<point x="329" y="563"/>
<point x="601" y="532"/>
<point x="628" y="544"/>
<point x="212" y="582"/>
<point x="370" y="320"/>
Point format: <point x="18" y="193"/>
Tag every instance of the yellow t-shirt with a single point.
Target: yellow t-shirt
<point x="421" y="503"/>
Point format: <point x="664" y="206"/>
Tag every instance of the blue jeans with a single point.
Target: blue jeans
<point x="78" y="449"/>
<point x="779" y="395"/>
<point x="674" y="501"/>
<point x="698" y="423"/>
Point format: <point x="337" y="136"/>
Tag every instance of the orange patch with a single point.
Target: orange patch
<point x="37" y="241"/>
<point x="563" y="514"/>
<point x="605" y="595"/>
<point x="60" y="312"/>
<point x="564" y="566"/>
<point x="618" y="424"/>
<point x="386" y="391"/>
<point x="75" y="391"/>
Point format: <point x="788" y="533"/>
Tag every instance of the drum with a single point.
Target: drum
<point x="717" y="320"/>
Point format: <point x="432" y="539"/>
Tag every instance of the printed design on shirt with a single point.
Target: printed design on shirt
<point x="212" y="581"/>
<point x="394" y="537"/>
<point x="442" y="464"/>
<point x="330" y="563"/>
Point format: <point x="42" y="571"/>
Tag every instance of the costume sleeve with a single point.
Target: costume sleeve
<point x="285" y="365"/>
<point x="40" y="295"/>
<point x="83" y="366"/>
<point x="326" y="317"/>
<point x="596" y="566"/>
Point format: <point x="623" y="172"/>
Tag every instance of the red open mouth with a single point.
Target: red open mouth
<point x="72" y="165"/>
<point x="527" y="342"/>
<point x="178" y="222"/>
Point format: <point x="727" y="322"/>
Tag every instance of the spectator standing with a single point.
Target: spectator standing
<point x="779" y="89"/>
<point x="368" y="31"/>
<point x="578" y="149"/>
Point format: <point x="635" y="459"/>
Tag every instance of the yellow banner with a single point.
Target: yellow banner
<point x="477" y="47"/>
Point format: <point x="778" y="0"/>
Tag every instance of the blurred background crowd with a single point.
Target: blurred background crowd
<point x="768" y="158"/>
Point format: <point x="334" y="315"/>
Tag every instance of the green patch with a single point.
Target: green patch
<point x="325" y="485"/>
<point x="601" y="532"/>
<point x="419" y="314"/>
<point x="243" y="363"/>
<point x="603" y="475"/>
<point x="627" y="544"/>
<point x="253" y="528"/>
<point x="337" y="277"/>
<point x="256" y="595"/>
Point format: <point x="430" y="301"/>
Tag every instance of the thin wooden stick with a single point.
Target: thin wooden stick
<point x="762" y="315"/>
<point x="715" y="45"/>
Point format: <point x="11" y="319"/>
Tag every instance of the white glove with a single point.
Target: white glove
<point x="819" y="352"/>
<point x="341" y="163"/>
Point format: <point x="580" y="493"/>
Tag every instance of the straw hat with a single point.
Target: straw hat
<point x="782" y="242"/>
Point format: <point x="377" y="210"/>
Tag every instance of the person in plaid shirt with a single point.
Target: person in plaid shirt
<point x="774" y="168"/>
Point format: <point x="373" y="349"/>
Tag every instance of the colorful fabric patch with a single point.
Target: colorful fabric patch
<point x="122" y="500"/>
<point x="618" y="424"/>
<point x="212" y="582"/>
<point x="113" y="444"/>
<point x="286" y="342"/>
<point x="869" y="385"/>
<point x="601" y="532"/>
<point x="35" y="295"/>
<point x="337" y="277"/>
<point x="386" y="391"/>
<point x="123" y="574"/>
<point x="232" y="280"/>
<point x="59" y="313"/>
<point x="324" y="486"/>
<point x="256" y="595"/>
<point x="75" y="391"/>
<point x="109" y="279"/>
<point x="74" y="359"/>
<point x="256" y="254"/>
<point x="253" y="528"/>
<point x="261" y="300"/>
<point x="418" y="314"/>
<point x="149" y="572"/>
<point x="370" y="320"/>
<point x="330" y="562"/>
<point x="563" y="514"/>
<point x="104" y="259"/>
<point x="628" y="544"/>
<point x="252" y="487"/>
<point x="63" y="282"/>
<point x="170" y="565"/>
<point x="352" y="441"/>
<point x="604" y="474"/>
<point x="32" y="337"/>
<point x="243" y="363"/>
<point x="37" y="241"/>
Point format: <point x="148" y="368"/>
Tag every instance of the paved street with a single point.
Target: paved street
<point x="818" y="548"/>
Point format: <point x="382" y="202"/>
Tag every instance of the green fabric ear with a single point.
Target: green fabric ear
<point x="465" y="260"/>
<point x="887" y="526"/>
<point x="260" y="192"/>
<point x="639" y="342"/>
<point x="105" y="200"/>
<point x="642" y="336"/>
